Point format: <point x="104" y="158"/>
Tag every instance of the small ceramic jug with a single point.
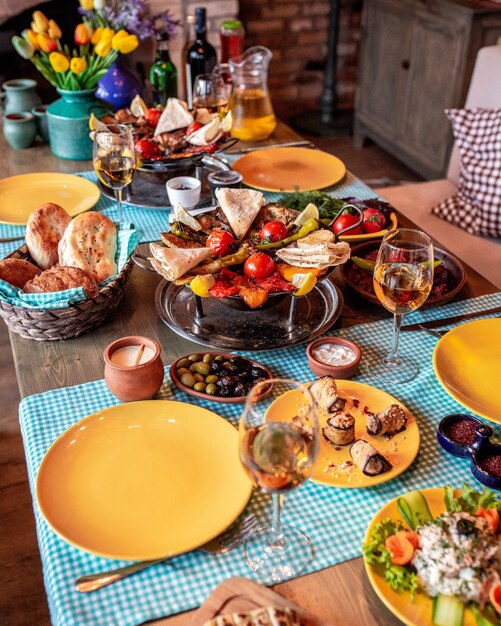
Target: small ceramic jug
<point x="40" y="115"/>
<point x="130" y="382"/>
<point x="20" y="129"/>
<point x="20" y="95"/>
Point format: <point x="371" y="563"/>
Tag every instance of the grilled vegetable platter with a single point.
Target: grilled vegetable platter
<point x="247" y="249"/>
<point x="433" y="557"/>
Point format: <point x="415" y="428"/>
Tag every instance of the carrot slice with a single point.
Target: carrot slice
<point x="495" y="596"/>
<point x="491" y="516"/>
<point x="400" y="549"/>
<point x="411" y="536"/>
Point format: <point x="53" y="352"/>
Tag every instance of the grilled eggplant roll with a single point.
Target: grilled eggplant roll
<point x="340" y="429"/>
<point x="388" y="422"/>
<point x="368" y="459"/>
<point x="324" y="392"/>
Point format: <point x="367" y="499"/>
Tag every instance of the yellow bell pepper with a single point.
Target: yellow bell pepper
<point x="46" y="43"/>
<point x="128" y="44"/>
<point x="78" y="65"/>
<point x="54" y="30"/>
<point x="117" y="37"/>
<point x="40" y="23"/>
<point x="59" y="62"/>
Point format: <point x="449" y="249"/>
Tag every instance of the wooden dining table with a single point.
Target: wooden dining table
<point x="340" y="595"/>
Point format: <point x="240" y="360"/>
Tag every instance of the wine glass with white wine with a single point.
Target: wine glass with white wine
<point x="114" y="160"/>
<point x="403" y="278"/>
<point x="278" y="449"/>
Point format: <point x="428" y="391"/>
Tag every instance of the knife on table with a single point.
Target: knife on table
<point x="445" y="321"/>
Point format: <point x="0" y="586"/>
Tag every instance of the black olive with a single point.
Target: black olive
<point x="226" y="392"/>
<point x="258" y="372"/>
<point x="255" y="381"/>
<point x="226" y="381"/>
<point x="232" y="368"/>
<point x="216" y="367"/>
<point x="465" y="527"/>
<point x="239" y="361"/>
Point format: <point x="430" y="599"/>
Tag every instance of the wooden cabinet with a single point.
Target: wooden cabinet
<point x="416" y="60"/>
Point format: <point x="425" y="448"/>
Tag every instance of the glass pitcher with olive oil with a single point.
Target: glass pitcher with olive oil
<point x="250" y="103"/>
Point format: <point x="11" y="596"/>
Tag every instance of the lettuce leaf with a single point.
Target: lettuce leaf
<point x="469" y="500"/>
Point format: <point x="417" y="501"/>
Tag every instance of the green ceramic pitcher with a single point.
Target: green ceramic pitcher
<point x="20" y="95"/>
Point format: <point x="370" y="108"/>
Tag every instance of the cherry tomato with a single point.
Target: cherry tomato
<point x="220" y="241"/>
<point x="344" y="221"/>
<point x="259" y="265"/>
<point x="147" y="148"/>
<point x="374" y="220"/>
<point x="194" y="126"/>
<point x="152" y="116"/>
<point x="273" y="231"/>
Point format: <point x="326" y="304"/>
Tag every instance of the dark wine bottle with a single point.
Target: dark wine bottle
<point x="201" y="57"/>
<point x="163" y="73"/>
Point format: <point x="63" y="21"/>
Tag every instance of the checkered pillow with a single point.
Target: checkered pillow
<point x="476" y="206"/>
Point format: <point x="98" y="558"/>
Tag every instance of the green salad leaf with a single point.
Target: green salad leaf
<point x="399" y="578"/>
<point x="469" y="500"/>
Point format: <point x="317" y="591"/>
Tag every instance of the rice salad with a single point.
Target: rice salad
<point x="458" y="554"/>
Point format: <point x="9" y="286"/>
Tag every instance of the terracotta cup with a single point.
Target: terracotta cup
<point x="129" y="383"/>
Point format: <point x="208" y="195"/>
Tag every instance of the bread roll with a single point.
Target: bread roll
<point x="90" y="243"/>
<point x="61" y="278"/>
<point x="44" y="230"/>
<point x="18" y="272"/>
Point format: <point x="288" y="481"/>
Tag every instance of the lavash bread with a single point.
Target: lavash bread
<point x="60" y="278"/>
<point x="171" y="263"/>
<point x="18" y="272"/>
<point x="90" y="243"/>
<point x="266" y="616"/>
<point x="44" y="230"/>
<point x="240" y="207"/>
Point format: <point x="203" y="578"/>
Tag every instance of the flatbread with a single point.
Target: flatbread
<point x="240" y="207"/>
<point x="174" y="116"/>
<point x="207" y="134"/>
<point x="320" y="255"/>
<point x="171" y="263"/>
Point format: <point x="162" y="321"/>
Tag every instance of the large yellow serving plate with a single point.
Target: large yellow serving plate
<point x="19" y="195"/>
<point x="143" y="480"/>
<point x="290" y="169"/>
<point x="331" y="467"/>
<point x="467" y="362"/>
<point x="419" y="611"/>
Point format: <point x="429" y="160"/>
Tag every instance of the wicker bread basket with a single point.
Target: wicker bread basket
<point x="72" y="321"/>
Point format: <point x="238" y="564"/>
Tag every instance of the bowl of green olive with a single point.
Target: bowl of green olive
<point x="216" y="376"/>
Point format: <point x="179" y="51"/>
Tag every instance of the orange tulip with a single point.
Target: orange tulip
<point x="32" y="37"/>
<point x="40" y="23"/>
<point x="83" y="34"/>
<point x="54" y="30"/>
<point x="96" y="35"/>
<point x="46" y="43"/>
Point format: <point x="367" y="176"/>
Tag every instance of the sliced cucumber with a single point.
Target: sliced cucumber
<point x="414" y="509"/>
<point x="481" y="619"/>
<point x="447" y="611"/>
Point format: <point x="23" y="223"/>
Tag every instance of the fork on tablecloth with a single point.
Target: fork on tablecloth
<point x="227" y="540"/>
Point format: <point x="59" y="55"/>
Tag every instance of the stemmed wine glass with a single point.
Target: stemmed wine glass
<point x="210" y="92"/>
<point x="403" y="277"/>
<point x="114" y="159"/>
<point x="278" y="449"/>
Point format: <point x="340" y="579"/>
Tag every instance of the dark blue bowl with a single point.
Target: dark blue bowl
<point x="483" y="475"/>
<point x="447" y="444"/>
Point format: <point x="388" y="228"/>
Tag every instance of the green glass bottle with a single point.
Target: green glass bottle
<point x="163" y="73"/>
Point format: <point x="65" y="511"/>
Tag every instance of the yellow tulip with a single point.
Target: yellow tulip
<point x="117" y="37"/>
<point x="59" y="62"/>
<point x="87" y="5"/>
<point x="96" y="35"/>
<point x="103" y="47"/>
<point x="46" y="43"/>
<point x="107" y="33"/>
<point x="32" y="37"/>
<point x="128" y="44"/>
<point x="54" y="30"/>
<point x="78" y="65"/>
<point x="40" y="23"/>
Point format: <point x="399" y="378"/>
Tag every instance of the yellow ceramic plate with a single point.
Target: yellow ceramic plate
<point x="19" y="195"/>
<point x="369" y="236"/>
<point x="143" y="480"/>
<point x="418" y="612"/>
<point x="331" y="467"/>
<point x="467" y="361"/>
<point x="290" y="169"/>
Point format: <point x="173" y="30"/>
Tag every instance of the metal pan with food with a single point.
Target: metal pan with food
<point x="246" y="250"/>
<point x="173" y="136"/>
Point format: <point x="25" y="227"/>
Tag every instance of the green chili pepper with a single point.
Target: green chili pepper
<point x="366" y="264"/>
<point x="308" y="227"/>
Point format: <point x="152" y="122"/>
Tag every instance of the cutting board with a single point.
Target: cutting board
<point x="239" y="595"/>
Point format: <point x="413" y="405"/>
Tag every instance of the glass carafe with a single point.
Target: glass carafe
<point x="250" y="103"/>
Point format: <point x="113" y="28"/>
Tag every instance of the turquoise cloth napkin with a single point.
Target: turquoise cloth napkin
<point x="335" y="519"/>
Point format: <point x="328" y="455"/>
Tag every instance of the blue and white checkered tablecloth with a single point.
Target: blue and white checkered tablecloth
<point x="152" y="221"/>
<point x="334" y="518"/>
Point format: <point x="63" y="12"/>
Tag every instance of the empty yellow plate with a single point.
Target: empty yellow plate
<point x="19" y="195"/>
<point x="334" y="465"/>
<point x="143" y="480"/>
<point x="467" y="362"/>
<point x="419" y="611"/>
<point x="290" y="169"/>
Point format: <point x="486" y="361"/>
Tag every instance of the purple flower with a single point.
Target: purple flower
<point x="135" y="17"/>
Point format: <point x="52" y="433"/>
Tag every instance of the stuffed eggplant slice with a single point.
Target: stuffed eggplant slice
<point x="340" y="429"/>
<point x="387" y="422"/>
<point x="367" y="458"/>
<point x="325" y="394"/>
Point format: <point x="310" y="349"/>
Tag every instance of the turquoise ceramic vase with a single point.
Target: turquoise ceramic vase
<point x="20" y="129"/>
<point x="20" y="95"/>
<point x="68" y="121"/>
